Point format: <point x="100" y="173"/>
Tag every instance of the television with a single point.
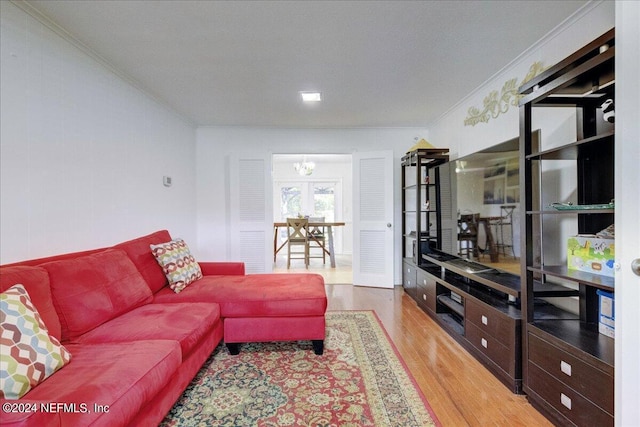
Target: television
<point x="480" y="208"/>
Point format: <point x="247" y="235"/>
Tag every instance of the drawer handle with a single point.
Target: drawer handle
<point x="565" y="400"/>
<point x="565" y="367"/>
<point x="484" y="343"/>
<point x="424" y="297"/>
<point x="485" y="321"/>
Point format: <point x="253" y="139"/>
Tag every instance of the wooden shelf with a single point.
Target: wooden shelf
<point x="575" y="75"/>
<point x="550" y="290"/>
<point x="451" y="322"/>
<point x="454" y="306"/>
<point x="496" y="279"/>
<point x="578" y="57"/>
<point x="571" y="151"/>
<point x="602" y="282"/>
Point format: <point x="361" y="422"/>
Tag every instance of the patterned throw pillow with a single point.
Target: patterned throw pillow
<point x="28" y="354"/>
<point x="178" y="264"/>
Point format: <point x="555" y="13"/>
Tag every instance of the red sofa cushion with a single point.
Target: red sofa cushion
<point x="222" y="268"/>
<point x="36" y="281"/>
<point x="140" y="253"/>
<point x="59" y="257"/>
<point x="185" y="323"/>
<point x="122" y="376"/>
<point x="256" y="295"/>
<point x="90" y="290"/>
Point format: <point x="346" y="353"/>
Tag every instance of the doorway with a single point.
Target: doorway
<point x="315" y="185"/>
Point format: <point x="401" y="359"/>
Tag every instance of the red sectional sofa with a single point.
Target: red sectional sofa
<point x="135" y="344"/>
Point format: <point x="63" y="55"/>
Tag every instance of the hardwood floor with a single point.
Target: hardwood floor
<point x="459" y="389"/>
<point x="341" y="274"/>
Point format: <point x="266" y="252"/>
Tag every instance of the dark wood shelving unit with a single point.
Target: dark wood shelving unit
<point x="484" y="316"/>
<point x="421" y="219"/>
<point x="565" y="357"/>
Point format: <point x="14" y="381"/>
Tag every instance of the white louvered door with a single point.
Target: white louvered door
<point x="373" y="260"/>
<point x="250" y="239"/>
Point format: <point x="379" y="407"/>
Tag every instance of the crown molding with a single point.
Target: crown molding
<point x="546" y="39"/>
<point x="35" y="13"/>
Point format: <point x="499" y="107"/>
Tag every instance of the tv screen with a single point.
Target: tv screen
<point x="480" y="199"/>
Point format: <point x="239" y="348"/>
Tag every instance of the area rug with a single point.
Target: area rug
<point x="360" y="380"/>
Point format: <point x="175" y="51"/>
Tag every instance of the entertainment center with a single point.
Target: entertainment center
<point x="478" y="305"/>
<point x="538" y="328"/>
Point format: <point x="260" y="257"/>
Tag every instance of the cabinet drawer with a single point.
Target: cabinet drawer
<point x="426" y="291"/>
<point x="426" y="299"/>
<point x="409" y="273"/>
<point x="409" y="278"/>
<point x="427" y="282"/>
<point x="490" y="347"/>
<point x="490" y="322"/>
<point x="567" y="401"/>
<point x="587" y="380"/>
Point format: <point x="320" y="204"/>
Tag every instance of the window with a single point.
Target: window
<point x="307" y="199"/>
<point x="310" y="198"/>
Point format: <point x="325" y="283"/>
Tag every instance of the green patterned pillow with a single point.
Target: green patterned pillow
<point x="178" y="264"/>
<point x="28" y="354"/>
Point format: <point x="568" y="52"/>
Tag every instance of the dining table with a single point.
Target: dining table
<point x="328" y="249"/>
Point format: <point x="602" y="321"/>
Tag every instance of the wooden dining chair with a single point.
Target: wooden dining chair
<point x="297" y="237"/>
<point x="468" y="235"/>
<point x="317" y="238"/>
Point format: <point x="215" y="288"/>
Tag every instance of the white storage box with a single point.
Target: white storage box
<point x="606" y="313"/>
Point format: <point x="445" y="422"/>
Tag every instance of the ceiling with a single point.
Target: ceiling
<point x="243" y="63"/>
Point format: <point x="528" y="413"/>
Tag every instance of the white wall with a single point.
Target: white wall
<point x="215" y="144"/>
<point x="82" y="151"/>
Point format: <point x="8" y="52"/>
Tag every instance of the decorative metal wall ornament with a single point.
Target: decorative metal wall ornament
<point x="498" y="103"/>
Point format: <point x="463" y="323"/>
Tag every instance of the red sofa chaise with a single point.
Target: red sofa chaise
<point x="135" y="344"/>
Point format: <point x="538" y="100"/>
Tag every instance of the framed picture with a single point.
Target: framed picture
<point x="495" y="169"/>
<point x="494" y="191"/>
<point x="513" y="173"/>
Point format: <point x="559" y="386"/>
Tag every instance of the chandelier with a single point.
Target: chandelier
<point x="305" y="168"/>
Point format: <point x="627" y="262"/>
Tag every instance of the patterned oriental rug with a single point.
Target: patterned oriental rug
<point x="359" y="381"/>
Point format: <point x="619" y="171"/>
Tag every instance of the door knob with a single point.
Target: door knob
<point x="635" y="266"/>
<point x="388" y="225"/>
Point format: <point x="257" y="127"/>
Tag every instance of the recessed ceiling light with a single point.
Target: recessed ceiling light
<point x="311" y="96"/>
